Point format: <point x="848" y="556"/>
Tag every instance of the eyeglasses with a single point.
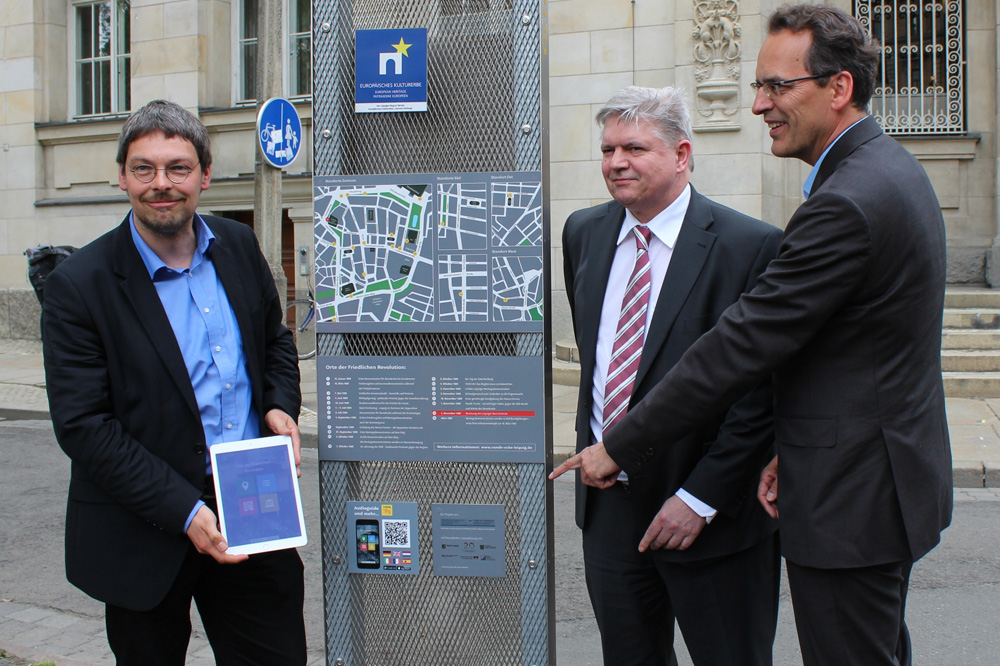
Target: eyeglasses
<point x="176" y="173"/>
<point x="773" y="89"/>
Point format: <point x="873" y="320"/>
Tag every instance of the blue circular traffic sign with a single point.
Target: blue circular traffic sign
<point x="279" y="132"/>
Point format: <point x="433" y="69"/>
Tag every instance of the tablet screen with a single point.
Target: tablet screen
<point x="257" y="490"/>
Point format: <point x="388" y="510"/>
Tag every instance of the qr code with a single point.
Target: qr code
<point x="396" y="533"/>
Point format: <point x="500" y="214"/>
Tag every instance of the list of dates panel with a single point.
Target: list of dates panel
<point x="447" y="409"/>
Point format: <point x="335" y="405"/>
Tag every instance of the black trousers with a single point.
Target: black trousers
<point x="726" y="607"/>
<point x="851" y="617"/>
<point x="252" y="613"/>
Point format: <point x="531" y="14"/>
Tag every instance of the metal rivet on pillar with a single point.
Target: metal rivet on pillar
<point x="532" y="564"/>
<point x="326" y="134"/>
<point x="325" y="27"/>
<point x="335" y="559"/>
<point x="526" y="128"/>
<point x="526" y="19"/>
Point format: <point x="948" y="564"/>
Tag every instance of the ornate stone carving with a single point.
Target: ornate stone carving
<point x="717" y="62"/>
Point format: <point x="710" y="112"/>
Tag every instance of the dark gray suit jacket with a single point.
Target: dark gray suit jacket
<point x="125" y="412"/>
<point x="848" y="319"/>
<point x="718" y="256"/>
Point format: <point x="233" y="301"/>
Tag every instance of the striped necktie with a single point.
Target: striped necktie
<point x="630" y="334"/>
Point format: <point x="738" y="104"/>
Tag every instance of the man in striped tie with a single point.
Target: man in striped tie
<point x="646" y="275"/>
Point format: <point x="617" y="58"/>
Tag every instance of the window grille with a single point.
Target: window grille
<point x="920" y="88"/>
<point x="103" y="61"/>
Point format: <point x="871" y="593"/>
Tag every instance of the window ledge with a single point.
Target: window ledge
<point x="79" y="131"/>
<point x="941" y="147"/>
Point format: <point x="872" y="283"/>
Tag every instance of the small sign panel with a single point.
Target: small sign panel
<point x="468" y="540"/>
<point x="390" y="68"/>
<point x="382" y="538"/>
<point x="279" y="132"/>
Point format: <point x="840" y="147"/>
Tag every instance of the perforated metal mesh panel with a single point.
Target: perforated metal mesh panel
<point x="483" y="90"/>
<point x="484" y="114"/>
<point x="431" y="344"/>
<point x="396" y="620"/>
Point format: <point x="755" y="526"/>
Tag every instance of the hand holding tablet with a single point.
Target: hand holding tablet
<point x="257" y="490"/>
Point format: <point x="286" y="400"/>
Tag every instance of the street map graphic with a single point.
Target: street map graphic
<point x="435" y="248"/>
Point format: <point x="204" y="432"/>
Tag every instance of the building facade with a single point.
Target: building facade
<point x="71" y="70"/>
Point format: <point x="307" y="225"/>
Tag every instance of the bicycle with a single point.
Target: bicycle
<point x="300" y="318"/>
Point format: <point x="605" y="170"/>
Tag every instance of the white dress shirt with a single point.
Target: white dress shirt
<point x="664" y="227"/>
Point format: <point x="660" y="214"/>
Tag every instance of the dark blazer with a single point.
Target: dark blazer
<point x="848" y="318"/>
<point x="125" y="412"/>
<point x="718" y="256"/>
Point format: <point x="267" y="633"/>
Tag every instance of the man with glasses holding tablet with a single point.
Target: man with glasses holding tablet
<point x="162" y="338"/>
<point x="847" y="321"/>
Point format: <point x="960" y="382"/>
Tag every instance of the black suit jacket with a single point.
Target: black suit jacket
<point x="718" y="255"/>
<point x="125" y="412"/>
<point x="848" y="318"/>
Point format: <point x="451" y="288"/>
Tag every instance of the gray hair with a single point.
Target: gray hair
<point x="173" y="120"/>
<point x="663" y="108"/>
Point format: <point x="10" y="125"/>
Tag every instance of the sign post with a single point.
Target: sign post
<point x="433" y="343"/>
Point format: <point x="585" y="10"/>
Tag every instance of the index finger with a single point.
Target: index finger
<point x="570" y="463"/>
<point x="649" y="537"/>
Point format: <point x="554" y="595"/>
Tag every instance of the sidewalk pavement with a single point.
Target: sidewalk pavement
<point x="75" y="627"/>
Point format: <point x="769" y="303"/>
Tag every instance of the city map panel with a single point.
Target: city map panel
<point x="428" y="250"/>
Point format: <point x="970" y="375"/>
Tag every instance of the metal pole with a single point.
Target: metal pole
<point x="267" y="210"/>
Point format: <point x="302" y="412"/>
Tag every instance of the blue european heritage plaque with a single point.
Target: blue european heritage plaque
<point x="390" y="69"/>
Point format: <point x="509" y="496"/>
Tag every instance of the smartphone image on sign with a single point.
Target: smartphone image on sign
<point x="368" y="544"/>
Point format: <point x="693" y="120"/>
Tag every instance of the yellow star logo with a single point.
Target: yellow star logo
<point x="402" y="47"/>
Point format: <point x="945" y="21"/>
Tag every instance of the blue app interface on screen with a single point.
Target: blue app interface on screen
<point x="258" y="495"/>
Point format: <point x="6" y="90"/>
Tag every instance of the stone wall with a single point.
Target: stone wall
<point x="58" y="182"/>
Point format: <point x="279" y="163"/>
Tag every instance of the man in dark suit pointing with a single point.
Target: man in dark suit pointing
<point x="646" y="275"/>
<point x="162" y="338"/>
<point x="848" y="320"/>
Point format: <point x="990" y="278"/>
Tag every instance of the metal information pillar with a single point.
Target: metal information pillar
<point x="433" y="370"/>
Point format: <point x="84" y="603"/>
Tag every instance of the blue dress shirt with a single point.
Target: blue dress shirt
<point x="209" y="338"/>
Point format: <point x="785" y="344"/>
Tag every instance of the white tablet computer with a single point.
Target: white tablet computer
<point x="257" y="491"/>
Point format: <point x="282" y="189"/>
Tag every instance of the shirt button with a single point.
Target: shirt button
<point x="199" y="448"/>
<point x="229" y="426"/>
<point x="218" y="348"/>
<point x="229" y="386"/>
<point x="206" y="310"/>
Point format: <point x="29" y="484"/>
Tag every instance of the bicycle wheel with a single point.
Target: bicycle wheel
<point x="299" y="320"/>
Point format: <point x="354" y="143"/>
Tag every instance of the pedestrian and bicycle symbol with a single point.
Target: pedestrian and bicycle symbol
<point x="279" y="132"/>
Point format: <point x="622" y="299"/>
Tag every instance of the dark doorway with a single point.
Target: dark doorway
<point x="288" y="251"/>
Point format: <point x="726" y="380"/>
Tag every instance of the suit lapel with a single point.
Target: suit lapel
<point x="864" y="131"/>
<point x="694" y="242"/>
<point x="140" y="293"/>
<point x="600" y="254"/>
<point x="232" y="279"/>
